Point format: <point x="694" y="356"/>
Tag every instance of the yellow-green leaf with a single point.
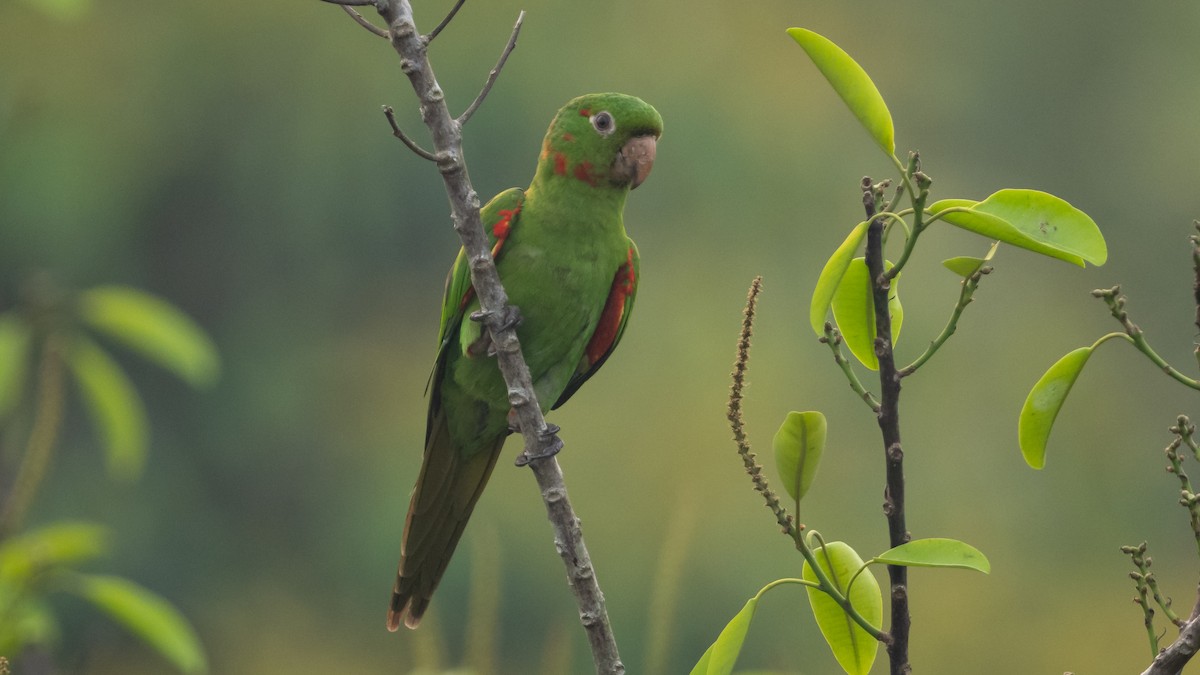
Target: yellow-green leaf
<point x="14" y="360"/>
<point x="852" y="84"/>
<point x="701" y="667"/>
<point x="148" y="616"/>
<point x="114" y="406"/>
<point x="994" y="227"/>
<point x="723" y="654"/>
<point x="966" y="266"/>
<point x="798" y="447"/>
<point x="831" y="278"/>
<point x="62" y="543"/>
<point x="1050" y="220"/>
<point x="1029" y="219"/>
<point x="154" y="328"/>
<point x="936" y="552"/>
<point x="1043" y="403"/>
<point x="854" y="310"/>
<point x="852" y="646"/>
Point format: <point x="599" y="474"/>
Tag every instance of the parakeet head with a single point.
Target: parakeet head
<point x="602" y="140"/>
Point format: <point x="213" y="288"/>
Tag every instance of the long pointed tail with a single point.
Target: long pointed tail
<point x="445" y="495"/>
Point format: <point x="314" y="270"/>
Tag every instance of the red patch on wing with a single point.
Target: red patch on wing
<point x="630" y="274"/>
<point x="500" y="231"/>
<point x="501" y="228"/>
<point x="567" y="136"/>
<point x="614" y="310"/>
<point x="560" y="164"/>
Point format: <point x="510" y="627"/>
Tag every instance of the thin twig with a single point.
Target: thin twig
<point x="1142" y="598"/>
<point x="969" y="285"/>
<point x="390" y="114"/>
<point x="541" y="440"/>
<point x="833" y="339"/>
<point x="1116" y="305"/>
<point x="352" y="3"/>
<point x="1195" y="239"/>
<point x="40" y="446"/>
<point x="1171" y="660"/>
<point x="1188" y="499"/>
<point x="445" y="22"/>
<point x="363" y="22"/>
<point x="495" y="72"/>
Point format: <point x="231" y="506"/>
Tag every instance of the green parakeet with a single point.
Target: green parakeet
<point x="564" y="258"/>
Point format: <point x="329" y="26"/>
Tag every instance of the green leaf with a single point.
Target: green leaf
<point x="994" y="227"/>
<point x="854" y="311"/>
<point x="114" y="407"/>
<point x="1033" y="220"/>
<point x="831" y="278"/>
<point x="935" y="552"/>
<point x="966" y="266"/>
<point x="1050" y="220"/>
<point x="148" y="616"/>
<point x="1043" y="403"/>
<point x="14" y="360"/>
<point x="154" y="328"/>
<point x="28" y="621"/>
<point x="701" y="667"/>
<point x="63" y="543"/>
<point x="852" y="646"/>
<point x="851" y="83"/>
<point x="798" y="447"/>
<point x="720" y="658"/>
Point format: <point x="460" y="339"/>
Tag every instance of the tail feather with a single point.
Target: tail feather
<point x="446" y="492"/>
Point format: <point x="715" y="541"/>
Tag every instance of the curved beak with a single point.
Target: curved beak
<point x="634" y="161"/>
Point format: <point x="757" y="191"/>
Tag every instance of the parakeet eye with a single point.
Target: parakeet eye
<point x="603" y="123"/>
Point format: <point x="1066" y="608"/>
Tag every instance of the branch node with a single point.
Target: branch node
<point x="360" y="20"/>
<point x="390" y="114"/>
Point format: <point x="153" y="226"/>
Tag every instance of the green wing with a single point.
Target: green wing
<point x="611" y="326"/>
<point x="499" y="215"/>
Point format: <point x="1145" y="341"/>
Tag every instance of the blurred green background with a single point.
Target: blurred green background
<point x="231" y="156"/>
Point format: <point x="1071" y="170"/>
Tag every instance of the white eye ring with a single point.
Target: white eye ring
<point x="603" y="123"/>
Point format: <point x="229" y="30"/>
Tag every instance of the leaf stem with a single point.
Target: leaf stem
<point x="1116" y="305"/>
<point x="842" y="598"/>
<point x="964" y="298"/>
<point x="833" y="338"/>
<point x="918" y="210"/>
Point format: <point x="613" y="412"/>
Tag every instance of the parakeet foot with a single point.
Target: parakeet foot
<point x="510" y="317"/>
<point x="550" y="445"/>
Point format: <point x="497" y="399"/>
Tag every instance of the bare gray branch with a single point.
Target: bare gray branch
<point x="445" y="22"/>
<point x="495" y="73"/>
